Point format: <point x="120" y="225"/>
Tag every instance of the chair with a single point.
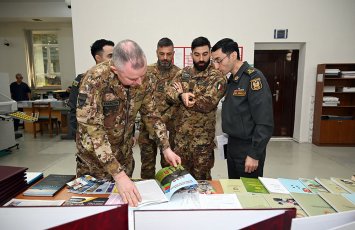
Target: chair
<point x="43" y="113"/>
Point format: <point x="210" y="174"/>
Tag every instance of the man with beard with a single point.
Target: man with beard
<point x="161" y="74"/>
<point x="198" y="89"/>
<point x="110" y="96"/>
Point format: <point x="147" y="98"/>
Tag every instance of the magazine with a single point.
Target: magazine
<point x="168" y="181"/>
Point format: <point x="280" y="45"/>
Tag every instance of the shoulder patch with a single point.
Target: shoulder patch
<point x="255" y="84"/>
<point x="75" y="83"/>
<point x="220" y="86"/>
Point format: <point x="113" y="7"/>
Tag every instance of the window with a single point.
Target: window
<point x="43" y="52"/>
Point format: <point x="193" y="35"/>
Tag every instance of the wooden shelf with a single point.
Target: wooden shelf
<point x="339" y="131"/>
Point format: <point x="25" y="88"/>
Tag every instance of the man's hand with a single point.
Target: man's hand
<point x="188" y="99"/>
<point x="251" y="164"/>
<point x="178" y="87"/>
<point x="127" y="189"/>
<point x="171" y="157"/>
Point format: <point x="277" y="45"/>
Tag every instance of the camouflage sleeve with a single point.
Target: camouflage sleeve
<point x="172" y="95"/>
<point x="153" y="120"/>
<point x="91" y="120"/>
<point x="208" y="101"/>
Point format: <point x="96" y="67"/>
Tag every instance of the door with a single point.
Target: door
<point x="280" y="69"/>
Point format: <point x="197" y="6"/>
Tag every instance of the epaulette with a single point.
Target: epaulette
<point x="251" y="72"/>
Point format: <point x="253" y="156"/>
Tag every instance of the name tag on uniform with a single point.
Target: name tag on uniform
<point x="239" y="92"/>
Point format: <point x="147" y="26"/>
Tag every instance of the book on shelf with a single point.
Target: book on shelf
<point x="330" y="185"/>
<point x="347" y="184"/>
<point x="253" y="201"/>
<point x="49" y="186"/>
<point x="338" y="202"/>
<point x="253" y="185"/>
<point x="85" y="201"/>
<point x="33" y="177"/>
<point x="294" y="185"/>
<point x="273" y="185"/>
<point x="284" y="201"/>
<point x="312" y="204"/>
<point x="167" y="181"/>
<point x="313" y="185"/>
<point x="230" y="186"/>
<point x="33" y="203"/>
<point x="349" y="196"/>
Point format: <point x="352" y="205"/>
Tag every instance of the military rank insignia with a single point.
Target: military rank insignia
<point x="255" y="84"/>
<point x="250" y="71"/>
<point x="239" y="92"/>
<point x="75" y="83"/>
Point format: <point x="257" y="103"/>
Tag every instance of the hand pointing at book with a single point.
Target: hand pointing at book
<point x="127" y="189"/>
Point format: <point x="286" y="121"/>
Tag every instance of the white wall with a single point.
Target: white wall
<point x="323" y="28"/>
<point x="13" y="57"/>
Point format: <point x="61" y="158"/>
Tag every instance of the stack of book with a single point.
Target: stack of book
<point x="12" y="182"/>
<point x="332" y="72"/>
<point x="330" y="101"/>
<point x="347" y="74"/>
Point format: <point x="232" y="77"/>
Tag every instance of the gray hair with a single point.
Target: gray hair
<point x="128" y="51"/>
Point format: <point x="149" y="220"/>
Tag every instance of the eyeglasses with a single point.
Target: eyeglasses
<point x="218" y="61"/>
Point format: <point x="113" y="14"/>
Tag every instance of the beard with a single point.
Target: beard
<point x="201" y="65"/>
<point x="164" y="64"/>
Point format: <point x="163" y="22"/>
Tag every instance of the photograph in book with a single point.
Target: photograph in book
<point x="330" y="185"/>
<point x="347" y="184"/>
<point x="203" y="187"/>
<point x="284" y="201"/>
<point x="49" y="186"/>
<point x="169" y="180"/>
<point x="338" y="202"/>
<point x="231" y="186"/>
<point x="313" y="185"/>
<point x="85" y="201"/>
<point x="313" y="204"/>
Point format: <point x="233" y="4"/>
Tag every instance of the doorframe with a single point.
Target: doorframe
<point x="301" y="46"/>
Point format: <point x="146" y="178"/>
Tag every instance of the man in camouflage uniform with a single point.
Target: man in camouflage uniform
<point x="198" y="89"/>
<point x="110" y="96"/>
<point x="247" y="114"/>
<point x="161" y="73"/>
<point x="101" y="50"/>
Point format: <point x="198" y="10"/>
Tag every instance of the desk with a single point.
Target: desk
<point x="59" y="110"/>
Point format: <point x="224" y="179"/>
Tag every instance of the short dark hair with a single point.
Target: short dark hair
<point x="164" y="42"/>
<point x="227" y="46"/>
<point x="98" y="46"/>
<point x="200" y="41"/>
<point x="128" y="51"/>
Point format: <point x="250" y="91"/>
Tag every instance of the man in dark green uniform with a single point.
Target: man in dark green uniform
<point x="247" y="115"/>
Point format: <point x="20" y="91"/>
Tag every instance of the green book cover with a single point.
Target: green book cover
<point x="284" y="201"/>
<point x="253" y="201"/>
<point x="313" y="185"/>
<point x="231" y="186"/>
<point x="330" y="185"/>
<point x="347" y="184"/>
<point x="338" y="202"/>
<point x="253" y="185"/>
<point x="312" y="204"/>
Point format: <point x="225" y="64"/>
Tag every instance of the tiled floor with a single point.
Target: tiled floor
<point x="284" y="158"/>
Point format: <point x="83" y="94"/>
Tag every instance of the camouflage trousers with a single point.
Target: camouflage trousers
<point x="148" y="148"/>
<point x="99" y="172"/>
<point x="197" y="156"/>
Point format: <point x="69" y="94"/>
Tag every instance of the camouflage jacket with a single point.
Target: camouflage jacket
<point x="106" y="114"/>
<point x="208" y="86"/>
<point x="161" y="81"/>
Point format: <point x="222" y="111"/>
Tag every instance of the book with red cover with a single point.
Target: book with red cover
<point x="12" y="182"/>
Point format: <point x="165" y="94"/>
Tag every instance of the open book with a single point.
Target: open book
<point x="167" y="181"/>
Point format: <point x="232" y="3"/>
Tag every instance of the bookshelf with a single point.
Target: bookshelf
<point x="334" y="121"/>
